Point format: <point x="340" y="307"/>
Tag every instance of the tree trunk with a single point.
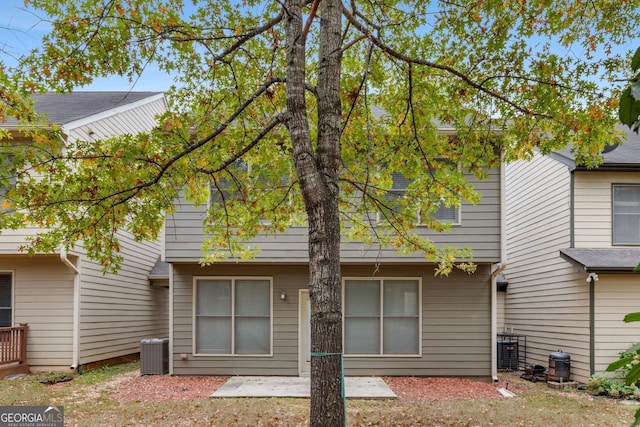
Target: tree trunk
<point x="318" y="177"/>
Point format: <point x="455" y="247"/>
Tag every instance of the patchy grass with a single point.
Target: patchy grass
<point x="87" y="403"/>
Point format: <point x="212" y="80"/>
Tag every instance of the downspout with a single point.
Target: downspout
<point x="76" y="309"/>
<point x="171" y="316"/>
<point x="592" y="279"/>
<point x="497" y="269"/>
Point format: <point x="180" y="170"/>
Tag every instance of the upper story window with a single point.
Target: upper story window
<point x="5" y="203"/>
<point x="444" y="214"/>
<point x="626" y="214"/>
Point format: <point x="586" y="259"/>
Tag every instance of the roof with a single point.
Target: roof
<point x="160" y="270"/>
<point x="624" y="154"/>
<point x="616" y="260"/>
<point x="66" y="108"/>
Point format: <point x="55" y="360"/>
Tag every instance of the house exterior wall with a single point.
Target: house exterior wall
<point x="455" y="336"/>
<point x="479" y="230"/>
<point x="593" y="206"/>
<point x="43" y="298"/>
<point x="500" y="312"/>
<point x="117" y="311"/>
<point x="547" y="299"/>
<point x="615" y="296"/>
<point x="11" y="241"/>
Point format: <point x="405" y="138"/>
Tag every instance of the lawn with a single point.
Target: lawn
<point x="87" y="402"/>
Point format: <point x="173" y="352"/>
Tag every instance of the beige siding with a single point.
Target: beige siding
<point x="593" y="210"/>
<point x="11" y="241"/>
<point x="616" y="295"/>
<point x="455" y="327"/>
<point x="117" y="311"/>
<point x="547" y="300"/>
<point x="43" y="298"/>
<point x="479" y="230"/>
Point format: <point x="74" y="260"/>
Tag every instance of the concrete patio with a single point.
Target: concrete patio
<point x="355" y="387"/>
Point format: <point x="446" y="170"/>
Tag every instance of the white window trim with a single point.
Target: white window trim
<point x="382" y="355"/>
<point x="194" y="317"/>
<point x="419" y="222"/>
<point x="613" y="213"/>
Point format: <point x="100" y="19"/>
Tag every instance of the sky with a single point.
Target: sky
<point x="21" y="30"/>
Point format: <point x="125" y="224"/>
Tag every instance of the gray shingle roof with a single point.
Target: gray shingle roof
<point x="617" y="260"/>
<point x="626" y="154"/>
<point x="62" y="109"/>
<point x="160" y="270"/>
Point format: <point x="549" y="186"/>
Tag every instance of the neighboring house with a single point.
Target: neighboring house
<point x="252" y="317"/>
<point x="77" y="316"/>
<point x="567" y="225"/>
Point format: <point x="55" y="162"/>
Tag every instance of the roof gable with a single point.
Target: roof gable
<point x="62" y="109"/>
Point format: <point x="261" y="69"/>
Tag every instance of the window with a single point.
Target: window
<point x="382" y="317"/>
<point x="5" y="300"/>
<point x="450" y="214"/>
<point x="5" y="202"/>
<point x="233" y="316"/>
<point x="626" y="214"/>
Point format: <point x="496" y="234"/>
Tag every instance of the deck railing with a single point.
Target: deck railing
<point x="13" y="344"/>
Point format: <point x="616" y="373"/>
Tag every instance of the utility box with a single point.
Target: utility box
<point x="154" y="356"/>
<point x="508" y="355"/>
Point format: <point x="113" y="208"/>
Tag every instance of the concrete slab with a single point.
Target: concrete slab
<point x="355" y="387"/>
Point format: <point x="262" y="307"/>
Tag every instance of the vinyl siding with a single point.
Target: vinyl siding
<point x="616" y="295"/>
<point x="135" y="118"/>
<point x="593" y="209"/>
<point x="547" y="299"/>
<point x="456" y="323"/>
<point x="117" y="311"/>
<point x="480" y="231"/>
<point x="43" y="298"/>
<point x="12" y="240"/>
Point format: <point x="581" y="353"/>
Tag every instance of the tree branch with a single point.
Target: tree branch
<point x="409" y="60"/>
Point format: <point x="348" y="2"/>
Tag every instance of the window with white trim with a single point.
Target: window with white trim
<point x="626" y="214"/>
<point x="382" y="317"/>
<point x="5" y="203"/>
<point x="444" y="214"/>
<point x="233" y="316"/>
<point x="6" y="311"/>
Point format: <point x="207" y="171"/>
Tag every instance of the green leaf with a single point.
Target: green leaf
<point x="634" y="348"/>
<point x="636" y="422"/>
<point x="620" y="363"/>
<point x="635" y="88"/>
<point x="635" y="61"/>
<point x="632" y="317"/>
<point x="629" y="109"/>
<point x="637" y="269"/>
<point x="633" y="375"/>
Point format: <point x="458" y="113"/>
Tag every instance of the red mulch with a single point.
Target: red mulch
<point x="156" y="388"/>
<point x="434" y="388"/>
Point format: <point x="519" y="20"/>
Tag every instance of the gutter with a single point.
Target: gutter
<point x="76" y="309"/>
